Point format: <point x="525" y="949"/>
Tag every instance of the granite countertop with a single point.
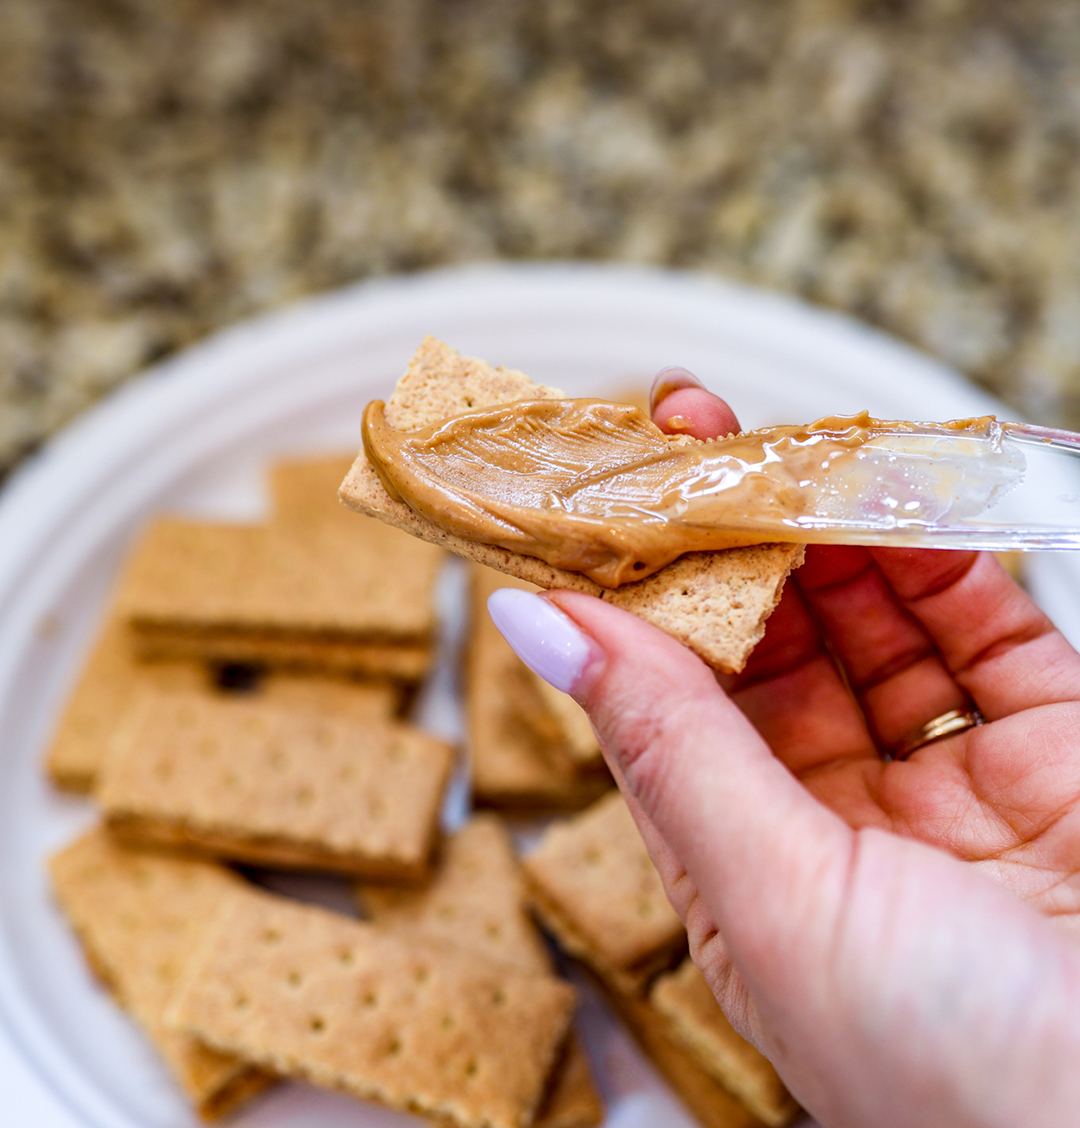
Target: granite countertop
<point x="168" y="168"/>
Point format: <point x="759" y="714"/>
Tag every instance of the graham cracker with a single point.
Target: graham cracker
<point x="112" y="681"/>
<point x="305" y="489"/>
<point x="694" y="1019"/>
<point x="138" y="917"/>
<point x="576" y="740"/>
<point x="510" y="761"/>
<point x="475" y="899"/>
<point x="560" y="724"/>
<point x="359" y="701"/>
<point x="285" y="787"/>
<point x="711" y="1104"/>
<point x="571" y="1099"/>
<point x="266" y="593"/>
<point x="716" y="602"/>
<point x="109" y="679"/>
<point x="413" y="1025"/>
<point x="593" y="884"/>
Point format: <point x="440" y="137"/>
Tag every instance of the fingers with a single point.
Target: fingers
<point x="736" y="819"/>
<point x="890" y="661"/>
<point x="681" y="405"/>
<point x="795" y="697"/>
<point x="993" y="639"/>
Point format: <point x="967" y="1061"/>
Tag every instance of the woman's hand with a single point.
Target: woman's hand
<point x="901" y="938"/>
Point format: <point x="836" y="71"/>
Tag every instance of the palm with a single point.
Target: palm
<point x="989" y="796"/>
<point x="1004" y="796"/>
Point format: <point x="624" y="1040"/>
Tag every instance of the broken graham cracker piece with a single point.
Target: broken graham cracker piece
<point x="411" y="1024"/>
<point x="322" y="598"/>
<point x="593" y="884"/>
<point x="305" y="489"/>
<point x="475" y="900"/>
<point x="715" y="602"/>
<point x="510" y="762"/>
<point x="109" y="679"/>
<point x="284" y="787"/>
<point x="696" y="1021"/>
<point x="138" y="917"/>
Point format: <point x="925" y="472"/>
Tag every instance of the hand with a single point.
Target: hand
<point x="902" y="939"/>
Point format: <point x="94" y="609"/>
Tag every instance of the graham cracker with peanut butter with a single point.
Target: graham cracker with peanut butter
<point x="716" y="603"/>
<point x="139" y="916"/>
<point x="414" y="1025"/>
<point x="321" y="597"/>
<point x="284" y="787"/>
<point x="695" y="1020"/>
<point x="511" y="763"/>
<point x="593" y="884"/>
<point x="110" y="679"/>
<point x="475" y="899"/>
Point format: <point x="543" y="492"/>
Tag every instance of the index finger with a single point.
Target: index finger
<point x="681" y="405"/>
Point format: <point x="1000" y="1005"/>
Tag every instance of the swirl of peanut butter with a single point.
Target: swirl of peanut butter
<point x="596" y="487"/>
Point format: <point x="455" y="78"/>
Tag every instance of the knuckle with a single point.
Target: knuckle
<point x="679" y="888"/>
<point x="706" y="944"/>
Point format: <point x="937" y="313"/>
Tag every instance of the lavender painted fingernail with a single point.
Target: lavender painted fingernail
<point x="545" y="639"/>
<point x="669" y="380"/>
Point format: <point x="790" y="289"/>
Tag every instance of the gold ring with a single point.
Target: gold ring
<point x="947" y="724"/>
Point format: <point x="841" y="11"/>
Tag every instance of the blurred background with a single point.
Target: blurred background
<point x="168" y="167"/>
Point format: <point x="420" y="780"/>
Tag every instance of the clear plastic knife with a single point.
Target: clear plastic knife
<point x="595" y="487"/>
<point x="988" y="485"/>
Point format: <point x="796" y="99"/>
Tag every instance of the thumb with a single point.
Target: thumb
<point x="768" y="861"/>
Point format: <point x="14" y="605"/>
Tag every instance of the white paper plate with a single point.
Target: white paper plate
<point x="195" y="434"/>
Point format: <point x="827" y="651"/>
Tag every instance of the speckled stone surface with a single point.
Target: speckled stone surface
<point x="170" y="166"/>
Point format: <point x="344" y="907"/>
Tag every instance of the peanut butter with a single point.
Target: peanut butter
<point x="596" y="487"/>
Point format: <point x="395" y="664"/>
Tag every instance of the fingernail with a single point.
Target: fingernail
<point x="669" y="380"/>
<point x="545" y="639"/>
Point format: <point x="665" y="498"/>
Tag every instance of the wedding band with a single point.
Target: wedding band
<point x="947" y="724"/>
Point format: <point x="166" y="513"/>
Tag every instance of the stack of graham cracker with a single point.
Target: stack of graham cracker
<point x="242" y="707"/>
<point x="242" y="712"/>
<point x="591" y="882"/>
